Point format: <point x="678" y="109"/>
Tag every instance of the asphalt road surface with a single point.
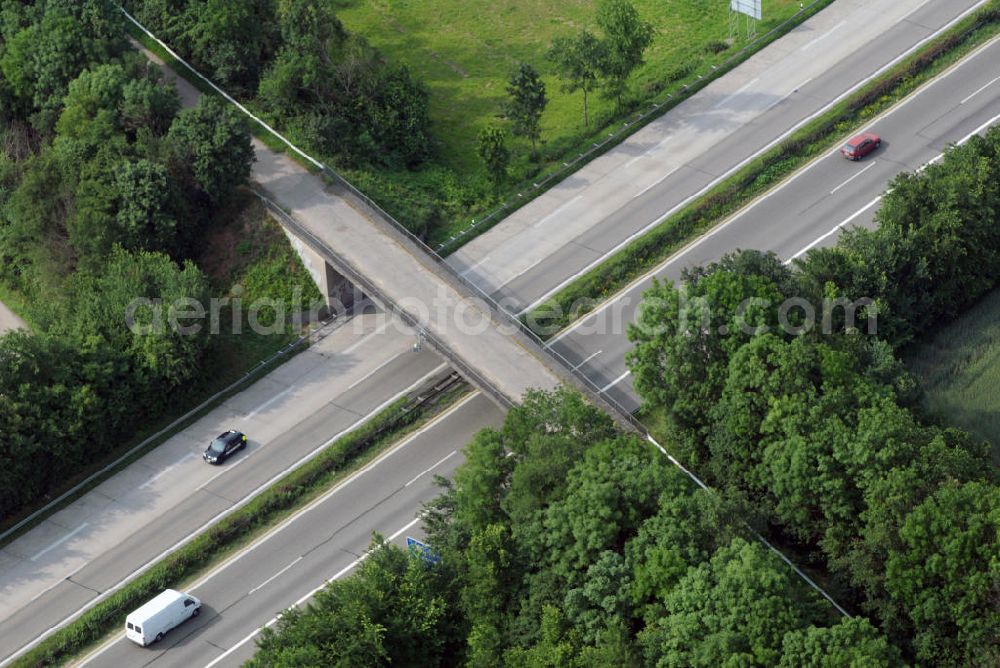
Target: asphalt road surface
<point x="317" y="544"/>
<point x="787" y="221"/>
<point x="576" y="224"/>
<point x="81" y="551"/>
<point x="806" y="211"/>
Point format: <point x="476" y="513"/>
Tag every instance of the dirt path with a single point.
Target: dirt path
<point x="9" y="320"/>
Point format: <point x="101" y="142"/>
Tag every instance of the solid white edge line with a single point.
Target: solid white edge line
<point x="337" y="576"/>
<point x="718" y="228"/>
<point x="318" y="501"/>
<point x="878" y="199"/>
<point x="740" y="165"/>
<point x="286" y="522"/>
<point x="191" y="536"/>
<point x="60" y="541"/>
<point x="818" y="240"/>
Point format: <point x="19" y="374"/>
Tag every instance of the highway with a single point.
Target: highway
<point x="81" y="551"/>
<point x="588" y="216"/>
<point x="320" y="542"/>
<point x="806" y="210"/>
<point x="380" y="499"/>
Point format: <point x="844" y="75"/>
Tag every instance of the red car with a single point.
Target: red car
<point x="860" y="146"/>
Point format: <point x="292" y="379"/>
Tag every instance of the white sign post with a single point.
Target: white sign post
<point x="749" y="8"/>
<point x="751" y="11"/>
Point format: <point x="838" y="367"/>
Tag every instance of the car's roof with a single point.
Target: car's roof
<point x="228" y="435"/>
<point x="857" y="139"/>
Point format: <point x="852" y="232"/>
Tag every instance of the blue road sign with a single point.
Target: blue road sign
<point x="422" y="550"/>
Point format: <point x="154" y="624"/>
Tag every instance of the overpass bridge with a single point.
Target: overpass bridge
<point x="351" y="248"/>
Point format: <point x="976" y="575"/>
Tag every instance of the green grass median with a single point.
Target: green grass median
<point x="288" y="494"/>
<point x="651" y="249"/>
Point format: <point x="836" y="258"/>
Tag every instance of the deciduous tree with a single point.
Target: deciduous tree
<point x="494" y="153"/>
<point x="526" y="104"/>
<point x="733" y="610"/>
<point x="851" y="643"/>
<point x="579" y="61"/>
<point x="947" y="572"/>
<point x="626" y="38"/>
<point x="211" y="142"/>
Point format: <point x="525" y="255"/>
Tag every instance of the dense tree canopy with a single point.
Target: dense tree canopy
<point x="936" y="248"/>
<point x="817" y="430"/>
<point x="103" y="187"/>
<point x="395" y="611"/>
<point x="734" y="609"/>
<point x="296" y="62"/>
<point x="46" y="45"/>
<point x="211" y="139"/>
<point x="565" y="543"/>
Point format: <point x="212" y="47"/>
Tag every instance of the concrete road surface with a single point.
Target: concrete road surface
<point x="806" y="211"/>
<point x="81" y="551"/>
<point x="786" y="221"/>
<point x="315" y="545"/>
<point x="594" y="211"/>
<point x="398" y="272"/>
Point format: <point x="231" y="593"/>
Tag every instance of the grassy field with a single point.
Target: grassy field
<point x="960" y="369"/>
<point x="464" y="52"/>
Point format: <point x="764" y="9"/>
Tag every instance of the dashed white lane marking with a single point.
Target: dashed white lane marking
<point x="615" y="381"/>
<point x="273" y="577"/>
<point x="60" y="541"/>
<point x="834" y="191"/>
<point x="428" y="470"/>
<point x="823" y="36"/>
<point x="167" y="470"/>
<point x="729" y="98"/>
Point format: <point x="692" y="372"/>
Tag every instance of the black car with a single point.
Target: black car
<point x="226" y="444"/>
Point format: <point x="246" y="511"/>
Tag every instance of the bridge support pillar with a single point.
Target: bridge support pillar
<point x="339" y="294"/>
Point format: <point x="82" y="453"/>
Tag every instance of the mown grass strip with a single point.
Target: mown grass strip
<point x="586" y="292"/>
<point x="610" y="132"/>
<point x="288" y="494"/>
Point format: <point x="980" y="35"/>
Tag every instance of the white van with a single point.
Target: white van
<point x="151" y="622"/>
